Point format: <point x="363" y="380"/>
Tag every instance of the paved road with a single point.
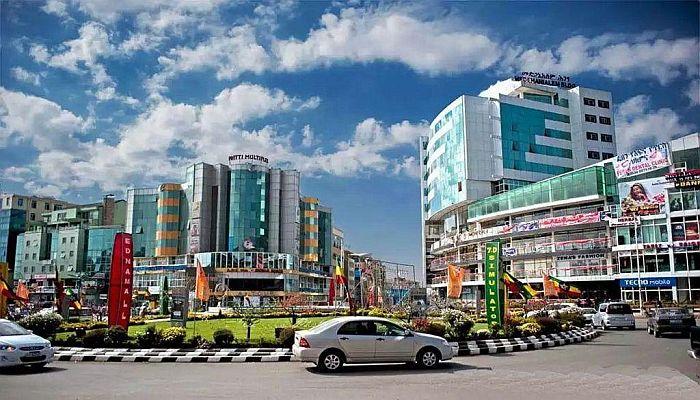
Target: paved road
<point x="618" y="365"/>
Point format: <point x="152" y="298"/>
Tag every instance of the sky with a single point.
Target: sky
<point x="97" y="96"/>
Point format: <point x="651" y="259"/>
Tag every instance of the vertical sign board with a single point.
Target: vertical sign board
<point x="4" y="272"/>
<point x="121" y="281"/>
<point x="492" y="280"/>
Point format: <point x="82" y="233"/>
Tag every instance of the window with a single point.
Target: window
<point x="46" y="206"/>
<point x="71" y="253"/>
<point x="72" y="239"/>
<point x="589" y="102"/>
<point x="593" y="155"/>
<point x="608" y="155"/>
<point x="603" y="104"/>
<point x="604" y="137"/>
<point x="604" y="120"/>
<point x="590" y="118"/>
<point x="20" y="202"/>
<point x="63" y="240"/>
<point x="358" y="328"/>
<point x="387" y="329"/>
<point x="591" y="136"/>
<point x="33" y="203"/>
<point x="32" y="217"/>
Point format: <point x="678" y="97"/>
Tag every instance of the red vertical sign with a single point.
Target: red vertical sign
<point x="121" y="281"/>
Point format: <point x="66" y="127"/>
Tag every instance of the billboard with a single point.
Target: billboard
<point x="644" y="197"/>
<point x="492" y="270"/>
<point x="641" y="161"/>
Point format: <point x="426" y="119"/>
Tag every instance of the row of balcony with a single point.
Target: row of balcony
<point x="588" y="271"/>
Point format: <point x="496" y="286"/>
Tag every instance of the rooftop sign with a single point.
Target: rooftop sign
<point x="540" y="78"/>
<point x="244" y="158"/>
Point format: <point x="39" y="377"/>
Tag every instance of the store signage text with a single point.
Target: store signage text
<point x="573" y="257"/>
<point x="641" y="161"/>
<point x="492" y="282"/>
<point x="685" y="179"/>
<point x="541" y="78"/>
<point x="647" y="282"/>
<point x="247" y="157"/>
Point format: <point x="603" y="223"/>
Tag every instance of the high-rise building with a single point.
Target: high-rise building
<point x="516" y="132"/>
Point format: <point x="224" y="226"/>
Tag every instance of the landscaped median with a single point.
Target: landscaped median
<point x="220" y="355"/>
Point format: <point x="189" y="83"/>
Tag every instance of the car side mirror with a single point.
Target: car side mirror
<point x="408" y="333"/>
<point x="30" y="331"/>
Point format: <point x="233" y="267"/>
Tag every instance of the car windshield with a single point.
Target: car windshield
<point x="673" y="311"/>
<point x="12" y="329"/>
<point x="588" y="310"/>
<point x="619" y="309"/>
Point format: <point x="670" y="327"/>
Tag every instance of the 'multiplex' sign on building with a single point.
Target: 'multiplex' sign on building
<point x="546" y="79"/>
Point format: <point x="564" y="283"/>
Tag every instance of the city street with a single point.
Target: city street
<point x="617" y="365"/>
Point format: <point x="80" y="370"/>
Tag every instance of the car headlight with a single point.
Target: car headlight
<point x="7" y="347"/>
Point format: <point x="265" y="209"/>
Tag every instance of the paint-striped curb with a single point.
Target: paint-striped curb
<point x="493" y="346"/>
<point x="173" y="355"/>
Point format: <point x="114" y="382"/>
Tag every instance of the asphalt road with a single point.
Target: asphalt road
<point x="617" y="365"/>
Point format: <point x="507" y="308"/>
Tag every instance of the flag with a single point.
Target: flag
<point x="565" y="288"/>
<point x="6" y="291"/>
<point x="331" y="292"/>
<point x="201" y="289"/>
<point x="73" y="299"/>
<point x="339" y="275"/>
<point x="517" y="287"/>
<point x="22" y="291"/>
<point x="454" y="281"/>
<point x="60" y="294"/>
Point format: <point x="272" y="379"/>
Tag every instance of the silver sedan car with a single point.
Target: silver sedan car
<point x="362" y="340"/>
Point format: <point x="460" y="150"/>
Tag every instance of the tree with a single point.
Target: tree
<point x="249" y="316"/>
<point x="292" y="303"/>
<point x="164" y="298"/>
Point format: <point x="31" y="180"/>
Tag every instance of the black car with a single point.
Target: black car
<point x="694" y="342"/>
<point x="665" y="320"/>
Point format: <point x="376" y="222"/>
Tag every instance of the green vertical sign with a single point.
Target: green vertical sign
<point x="492" y="282"/>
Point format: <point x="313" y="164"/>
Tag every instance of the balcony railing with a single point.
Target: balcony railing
<point x="561" y="272"/>
<point x="601" y="243"/>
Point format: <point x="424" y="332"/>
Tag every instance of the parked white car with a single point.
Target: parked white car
<point x="361" y="340"/>
<point x="588" y="314"/>
<point x="614" y="315"/>
<point x="19" y="346"/>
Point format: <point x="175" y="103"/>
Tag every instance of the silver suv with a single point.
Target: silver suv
<point x="614" y="315"/>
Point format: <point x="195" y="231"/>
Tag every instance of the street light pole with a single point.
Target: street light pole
<point x="639" y="273"/>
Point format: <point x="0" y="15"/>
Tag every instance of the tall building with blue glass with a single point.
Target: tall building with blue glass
<point x="516" y="132"/>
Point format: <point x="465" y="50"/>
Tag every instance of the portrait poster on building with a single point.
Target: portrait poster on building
<point x="643" y="197"/>
<point x="642" y="161"/>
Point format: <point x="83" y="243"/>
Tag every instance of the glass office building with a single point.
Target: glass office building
<point x="100" y="242"/>
<point x="248" y="209"/>
<point x="141" y="220"/>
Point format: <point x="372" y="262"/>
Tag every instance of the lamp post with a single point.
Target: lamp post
<point x="639" y="267"/>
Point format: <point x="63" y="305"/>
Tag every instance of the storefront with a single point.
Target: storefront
<point x="651" y="289"/>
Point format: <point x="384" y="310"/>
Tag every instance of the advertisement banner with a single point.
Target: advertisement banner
<point x="454" y="281"/>
<point x="648" y="282"/>
<point x="566" y="220"/>
<point x="492" y="282"/>
<point x="624" y="221"/>
<point x="644" y="197"/>
<point x="642" y="161"/>
<point x="689" y="179"/>
<point x="121" y="281"/>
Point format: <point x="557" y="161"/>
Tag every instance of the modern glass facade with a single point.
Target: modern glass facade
<point x="142" y="216"/>
<point x="325" y="236"/>
<point x="12" y="223"/>
<point x="445" y="172"/>
<point x="248" y="213"/>
<point x="520" y="127"/>
<point x="309" y="229"/>
<point x="595" y="180"/>
<point x="99" y="249"/>
<point x="169" y="221"/>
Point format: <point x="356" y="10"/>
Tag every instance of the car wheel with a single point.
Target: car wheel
<point x="331" y="361"/>
<point x="428" y="357"/>
<point x="657" y="333"/>
<point x="38" y="366"/>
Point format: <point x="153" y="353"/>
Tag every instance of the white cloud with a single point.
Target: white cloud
<point x="636" y="125"/>
<point x="38" y="189"/>
<point x="693" y="92"/>
<point x="616" y="56"/>
<point x="356" y="35"/>
<point x="40" y="122"/>
<point x="308" y="136"/>
<point x="229" y="55"/>
<point x="16" y="174"/>
<point x="23" y="75"/>
<point x="56" y="7"/>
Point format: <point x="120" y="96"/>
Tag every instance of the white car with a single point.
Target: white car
<point x="614" y="315"/>
<point x="588" y="314"/>
<point x="362" y="340"/>
<point x="19" y="346"/>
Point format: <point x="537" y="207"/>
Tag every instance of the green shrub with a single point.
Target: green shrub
<point x="529" y="329"/>
<point x="196" y="341"/>
<point x="116" y="336"/>
<point x="573" y="318"/>
<point x="44" y="325"/>
<point x="173" y="337"/>
<point x="437" y="327"/>
<point x="549" y="325"/>
<point x="376" y="312"/>
<point x="223" y="337"/>
<point x="149" y="338"/>
<point x="286" y="338"/>
<point x="95" y="338"/>
<point x="458" y="324"/>
<point x="483" y="334"/>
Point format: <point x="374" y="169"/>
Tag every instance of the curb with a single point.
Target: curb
<point x="494" y="346"/>
<point x="79" y="354"/>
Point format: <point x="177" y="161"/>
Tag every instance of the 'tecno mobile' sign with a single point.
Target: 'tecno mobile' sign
<point x="647" y="282"/>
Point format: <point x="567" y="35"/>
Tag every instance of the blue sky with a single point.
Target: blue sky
<point x="97" y="96"/>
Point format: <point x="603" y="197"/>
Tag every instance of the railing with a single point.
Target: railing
<point x="561" y="272"/>
<point x="602" y="243"/>
<point x="456" y="259"/>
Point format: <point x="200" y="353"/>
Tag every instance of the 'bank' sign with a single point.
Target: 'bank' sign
<point x="648" y="282"/>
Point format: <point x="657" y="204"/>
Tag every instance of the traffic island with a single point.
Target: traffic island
<point x="494" y="346"/>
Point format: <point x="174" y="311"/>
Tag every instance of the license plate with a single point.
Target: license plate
<point x="676" y="322"/>
<point x="34" y="353"/>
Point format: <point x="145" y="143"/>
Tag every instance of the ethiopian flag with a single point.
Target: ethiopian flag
<point x="517" y="287"/>
<point x="564" y="288"/>
<point x="72" y="298"/>
<point x="6" y="290"/>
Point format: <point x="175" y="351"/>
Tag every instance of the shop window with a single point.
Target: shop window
<point x="689" y="202"/>
<point x="663" y="264"/>
<point x="675" y="201"/>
